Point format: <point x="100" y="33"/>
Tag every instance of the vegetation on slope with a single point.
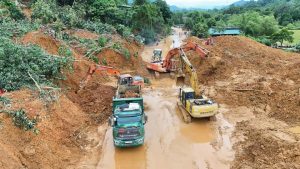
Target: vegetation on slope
<point x="263" y="20"/>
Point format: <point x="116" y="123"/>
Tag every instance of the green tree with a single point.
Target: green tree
<point x="13" y="11"/>
<point x="103" y="9"/>
<point x="65" y="2"/>
<point x="211" y="22"/>
<point x="269" y="25"/>
<point x="19" y="65"/>
<point x="43" y="11"/>
<point x="147" y="16"/>
<point x="148" y="20"/>
<point x="200" y="30"/>
<point x="283" y="35"/>
<point x="220" y="26"/>
<point x="164" y="9"/>
<point x="140" y="2"/>
<point x="177" y="18"/>
<point x="189" y="23"/>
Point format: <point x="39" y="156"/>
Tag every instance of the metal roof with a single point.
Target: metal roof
<point x="226" y="31"/>
<point x="188" y="89"/>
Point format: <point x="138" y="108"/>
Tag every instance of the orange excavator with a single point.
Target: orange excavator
<point x="97" y="68"/>
<point x="169" y="64"/>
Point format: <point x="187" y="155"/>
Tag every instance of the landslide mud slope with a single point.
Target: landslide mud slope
<point x="242" y="72"/>
<point x="73" y="127"/>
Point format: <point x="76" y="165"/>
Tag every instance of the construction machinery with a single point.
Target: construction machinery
<point x="128" y="80"/>
<point x="157" y="55"/>
<point x="190" y="102"/>
<point x="2" y="91"/>
<point x="97" y="68"/>
<point x="170" y="64"/>
<point x="128" y="118"/>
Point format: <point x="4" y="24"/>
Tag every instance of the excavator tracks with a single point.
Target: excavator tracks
<point x="185" y="115"/>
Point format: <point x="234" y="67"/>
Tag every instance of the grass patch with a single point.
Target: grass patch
<point x="296" y="38"/>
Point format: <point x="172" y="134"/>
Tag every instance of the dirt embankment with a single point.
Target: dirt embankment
<point x="242" y="72"/>
<point x="63" y="139"/>
<point x="54" y="147"/>
<point x="252" y="74"/>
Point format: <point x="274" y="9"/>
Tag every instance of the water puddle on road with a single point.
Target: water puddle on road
<point x="130" y="158"/>
<point x="199" y="131"/>
<point x="169" y="142"/>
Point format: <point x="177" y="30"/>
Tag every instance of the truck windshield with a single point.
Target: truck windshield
<point x="128" y="120"/>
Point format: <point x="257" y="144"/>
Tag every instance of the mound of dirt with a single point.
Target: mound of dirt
<point x="84" y="34"/>
<point x="46" y="42"/>
<point x="96" y="100"/>
<point x="242" y="72"/>
<point x="267" y="144"/>
<point x="64" y="125"/>
<point x="54" y="147"/>
<point x="252" y="74"/>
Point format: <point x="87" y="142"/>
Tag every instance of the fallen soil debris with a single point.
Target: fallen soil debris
<point x="242" y="72"/>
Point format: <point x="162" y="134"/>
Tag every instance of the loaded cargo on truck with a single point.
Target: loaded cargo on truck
<point x="128" y="118"/>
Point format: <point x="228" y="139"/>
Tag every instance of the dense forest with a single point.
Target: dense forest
<point x="267" y="21"/>
<point x="141" y="17"/>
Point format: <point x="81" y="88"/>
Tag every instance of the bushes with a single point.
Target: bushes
<point x="17" y="63"/>
<point x="298" y="46"/>
<point x="149" y="35"/>
<point x="123" y="31"/>
<point x="70" y="17"/>
<point x="265" y="41"/>
<point x="22" y="121"/>
<point x="19" y="117"/>
<point x="43" y="11"/>
<point x="122" y="50"/>
<point x="200" y="30"/>
<point x="5" y="101"/>
<point x="102" y="41"/>
<point x="98" y="27"/>
<point x="10" y="28"/>
<point x="14" y="12"/>
<point x="64" y="51"/>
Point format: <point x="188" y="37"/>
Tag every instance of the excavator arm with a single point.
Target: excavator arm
<point x="191" y="71"/>
<point x="97" y="68"/>
<point x="202" y="52"/>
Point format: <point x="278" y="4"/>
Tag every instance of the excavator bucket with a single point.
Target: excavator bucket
<point x="180" y="80"/>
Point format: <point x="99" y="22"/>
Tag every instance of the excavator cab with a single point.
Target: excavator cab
<point x="157" y="55"/>
<point x="186" y="94"/>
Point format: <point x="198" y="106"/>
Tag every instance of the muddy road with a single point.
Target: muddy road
<point x="169" y="142"/>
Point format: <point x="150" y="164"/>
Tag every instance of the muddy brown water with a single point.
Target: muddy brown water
<point x="169" y="142"/>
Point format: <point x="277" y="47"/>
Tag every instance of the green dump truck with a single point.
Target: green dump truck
<point x="128" y="118"/>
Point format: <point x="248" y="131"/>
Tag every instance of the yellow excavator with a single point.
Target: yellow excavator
<point x="190" y="101"/>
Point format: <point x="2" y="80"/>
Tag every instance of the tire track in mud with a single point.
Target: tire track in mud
<point x="169" y="142"/>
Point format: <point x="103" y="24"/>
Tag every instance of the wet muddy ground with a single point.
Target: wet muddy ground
<point x="169" y="142"/>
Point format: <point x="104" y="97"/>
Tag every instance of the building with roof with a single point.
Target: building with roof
<point x="224" y="32"/>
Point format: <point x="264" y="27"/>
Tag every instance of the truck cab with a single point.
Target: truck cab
<point x="128" y="122"/>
